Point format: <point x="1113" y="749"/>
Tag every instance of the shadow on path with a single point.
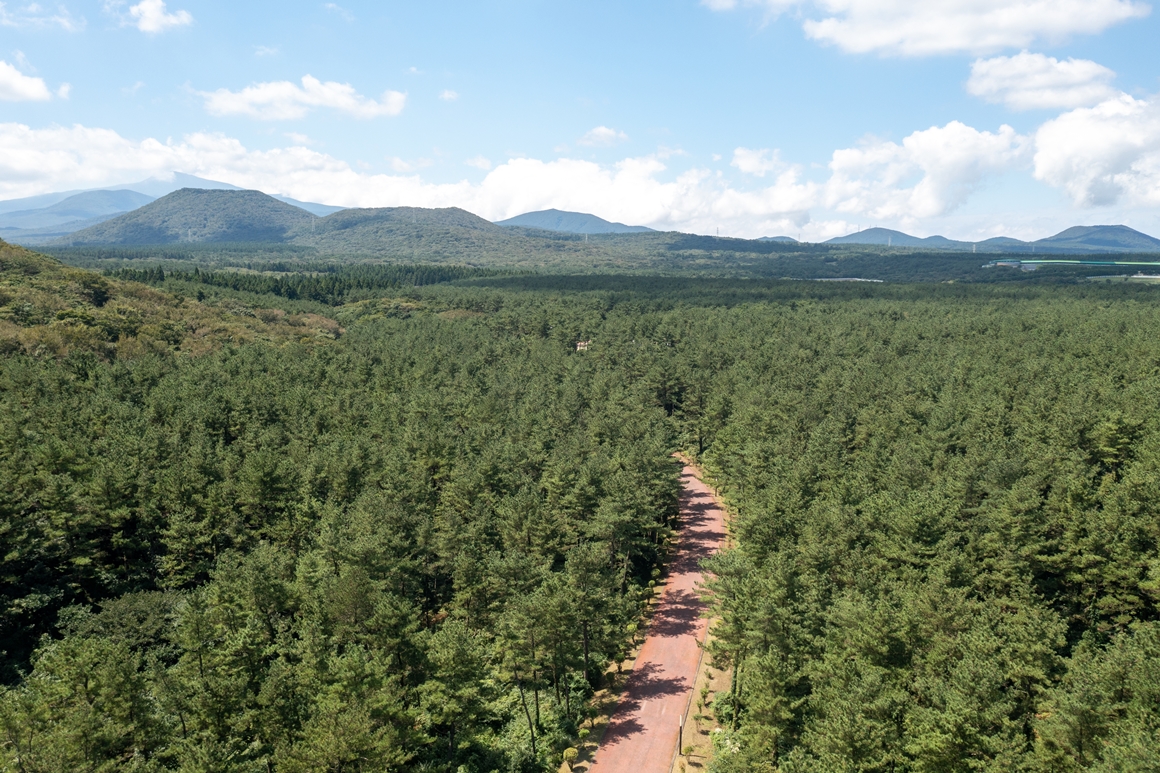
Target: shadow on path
<point x="642" y="734"/>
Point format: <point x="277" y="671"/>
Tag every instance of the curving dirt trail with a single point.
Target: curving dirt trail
<point x="642" y="734"/>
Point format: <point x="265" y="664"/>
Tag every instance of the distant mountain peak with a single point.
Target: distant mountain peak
<point x="570" y="222"/>
<point x="1077" y="240"/>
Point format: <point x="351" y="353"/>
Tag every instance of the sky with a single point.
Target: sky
<point x="966" y="118"/>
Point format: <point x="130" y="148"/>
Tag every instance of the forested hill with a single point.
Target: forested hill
<point x="197" y="215"/>
<point x="48" y="309"/>
<point x="447" y="235"/>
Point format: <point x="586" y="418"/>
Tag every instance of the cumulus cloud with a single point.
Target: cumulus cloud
<point x="34" y="15"/>
<point x="924" y="28"/>
<point x="15" y="86"/>
<point x="1034" y="81"/>
<point x="449" y="96"/>
<point x="283" y="100"/>
<point x="602" y="136"/>
<point x="151" y="16"/>
<point x="635" y="189"/>
<point x="1103" y="154"/>
<point x="757" y="162"/>
<point x="931" y="173"/>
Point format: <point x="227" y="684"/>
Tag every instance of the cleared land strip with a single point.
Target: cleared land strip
<point x="642" y="734"/>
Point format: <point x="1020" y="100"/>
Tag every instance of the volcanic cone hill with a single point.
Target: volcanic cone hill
<point x="198" y="215"/>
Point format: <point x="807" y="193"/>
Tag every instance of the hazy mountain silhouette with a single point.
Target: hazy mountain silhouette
<point x="1078" y="239"/>
<point x="570" y="222"/>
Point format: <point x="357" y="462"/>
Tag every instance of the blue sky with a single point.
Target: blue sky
<point x="969" y="118"/>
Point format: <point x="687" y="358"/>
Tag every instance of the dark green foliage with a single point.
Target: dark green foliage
<point x="418" y="547"/>
<point x="354" y="557"/>
<point x="262" y="256"/>
<point x="947" y="531"/>
<point x="329" y="284"/>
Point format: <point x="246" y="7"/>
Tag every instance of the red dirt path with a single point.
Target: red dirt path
<point x="642" y="734"/>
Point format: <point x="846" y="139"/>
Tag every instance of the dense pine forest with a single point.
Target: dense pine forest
<point x="401" y="527"/>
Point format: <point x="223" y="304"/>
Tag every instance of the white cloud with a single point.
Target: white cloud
<point x="64" y="91"/>
<point x="479" y="162"/>
<point x="265" y="50"/>
<point x="22" y="62"/>
<point x="757" y="162"/>
<point x="449" y="96"/>
<point x="335" y="8"/>
<point x="282" y="100"/>
<point x="931" y="173"/>
<point x="15" y="86"/>
<point x="151" y="16"/>
<point x="402" y="166"/>
<point x="1103" y="154"/>
<point x="602" y="136"/>
<point x="1035" y="81"/>
<point x="39" y="160"/>
<point x="299" y="139"/>
<point x="34" y="15"/>
<point x="913" y="28"/>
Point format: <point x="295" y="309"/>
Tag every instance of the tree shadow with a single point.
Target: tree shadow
<point x="645" y="684"/>
<point x="677" y="614"/>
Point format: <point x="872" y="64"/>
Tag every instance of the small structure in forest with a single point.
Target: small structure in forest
<point x="582" y="346"/>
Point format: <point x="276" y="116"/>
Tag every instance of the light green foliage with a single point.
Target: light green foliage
<point x="50" y="310"/>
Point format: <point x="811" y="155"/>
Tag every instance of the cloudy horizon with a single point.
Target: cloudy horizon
<point x="752" y="117"/>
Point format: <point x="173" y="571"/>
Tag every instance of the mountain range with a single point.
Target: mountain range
<point x="570" y="222"/>
<point x="195" y="216"/>
<point x="37" y="220"/>
<point x="213" y="212"/>
<point x="1077" y="239"/>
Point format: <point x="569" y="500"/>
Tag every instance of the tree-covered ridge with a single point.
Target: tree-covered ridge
<point x="50" y="309"/>
<point x="327" y="283"/>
